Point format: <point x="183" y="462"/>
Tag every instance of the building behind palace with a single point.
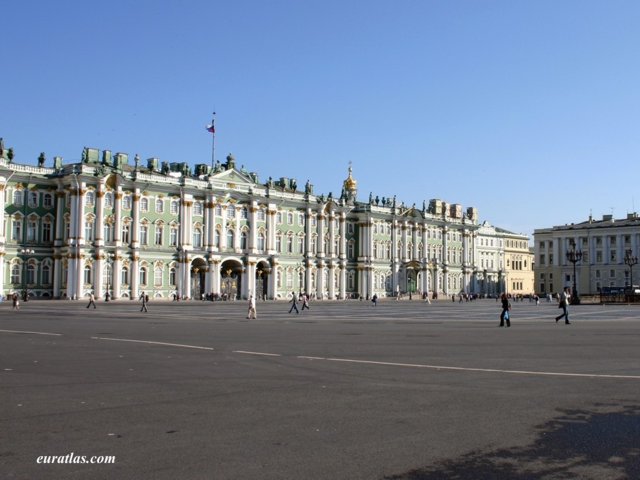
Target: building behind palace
<point x="105" y="225"/>
<point x="604" y="244"/>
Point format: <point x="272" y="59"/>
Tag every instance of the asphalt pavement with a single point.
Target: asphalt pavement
<point x="346" y="390"/>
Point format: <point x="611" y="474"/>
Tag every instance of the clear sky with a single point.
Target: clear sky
<point x="526" y="110"/>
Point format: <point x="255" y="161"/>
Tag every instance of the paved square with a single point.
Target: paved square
<point x="345" y="390"/>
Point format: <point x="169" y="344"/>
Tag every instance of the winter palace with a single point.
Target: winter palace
<point x="117" y="228"/>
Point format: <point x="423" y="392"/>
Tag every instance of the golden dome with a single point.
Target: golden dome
<point x="350" y="183"/>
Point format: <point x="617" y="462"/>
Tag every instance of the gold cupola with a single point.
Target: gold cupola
<point x="350" y="184"/>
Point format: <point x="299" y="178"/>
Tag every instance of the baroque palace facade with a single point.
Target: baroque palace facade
<point x="106" y="226"/>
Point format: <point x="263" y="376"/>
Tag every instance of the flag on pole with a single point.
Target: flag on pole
<point x="211" y="128"/>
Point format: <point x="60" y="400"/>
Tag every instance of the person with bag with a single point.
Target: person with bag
<point x="506" y="306"/>
<point x="145" y="299"/>
<point x="565" y="298"/>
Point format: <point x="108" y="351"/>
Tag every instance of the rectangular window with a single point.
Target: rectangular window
<point x="16" y="230"/>
<point x="173" y="237"/>
<point x="32" y="231"/>
<point x="144" y="234"/>
<point x="46" y="232"/>
<point x="158" y="235"/>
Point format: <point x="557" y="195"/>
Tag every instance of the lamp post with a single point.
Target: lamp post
<point x="25" y="252"/>
<point x="109" y="258"/>
<point x="630" y="260"/>
<point x="574" y="256"/>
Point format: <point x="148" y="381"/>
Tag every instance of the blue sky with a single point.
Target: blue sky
<point x="526" y="110"/>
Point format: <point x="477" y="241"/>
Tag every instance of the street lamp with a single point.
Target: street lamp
<point x="630" y="260"/>
<point x="25" y="252"/>
<point x="574" y="256"/>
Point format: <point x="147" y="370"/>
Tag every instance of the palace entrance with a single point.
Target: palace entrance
<point x="198" y="272"/>
<point x="230" y="280"/>
<point x="263" y="270"/>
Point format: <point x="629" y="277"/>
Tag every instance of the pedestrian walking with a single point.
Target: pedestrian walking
<point x="16" y="301"/>
<point x="294" y="303"/>
<point x="252" y="308"/>
<point x="305" y="301"/>
<point x="92" y="300"/>
<point x="144" y="299"/>
<point x="565" y="298"/>
<point x="506" y="306"/>
<point x="374" y="299"/>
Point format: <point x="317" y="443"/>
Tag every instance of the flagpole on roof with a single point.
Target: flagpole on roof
<point x="212" y="129"/>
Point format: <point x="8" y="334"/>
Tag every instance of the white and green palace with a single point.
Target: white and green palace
<point x="117" y="229"/>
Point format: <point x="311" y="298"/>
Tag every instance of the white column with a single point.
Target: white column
<point x="215" y="275"/>
<point x="117" y="233"/>
<point x="99" y="225"/>
<point x="135" y="228"/>
<point x="405" y="249"/>
<point x="253" y="227"/>
<point x="332" y="283"/>
<point x="134" y="279"/>
<point x="116" y="276"/>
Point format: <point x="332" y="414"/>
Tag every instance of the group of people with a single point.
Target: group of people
<point x="565" y="300"/>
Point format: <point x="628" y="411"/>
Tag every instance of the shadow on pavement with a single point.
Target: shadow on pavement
<point x="604" y="443"/>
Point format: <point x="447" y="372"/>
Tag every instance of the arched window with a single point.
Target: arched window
<point x="106" y="275"/>
<point x="90" y="197"/>
<point x="174" y="207"/>
<point x="88" y="230"/>
<point x="32" y="229"/>
<point x="108" y="200"/>
<point x="87" y="275"/>
<point x="197" y="208"/>
<point x="126" y="202"/>
<point x="144" y="204"/>
<point x="300" y="244"/>
<point x="230" y="239"/>
<point x="47" y="200"/>
<point x="172" y="276"/>
<point x="46" y="230"/>
<point x="31" y="274"/>
<point x="124" y="275"/>
<point x="17" y="198"/>
<point x="15" y="274"/>
<point x="144" y="234"/>
<point x="46" y="274"/>
<point x="231" y="212"/>
<point x="244" y="213"/>
<point x="173" y="236"/>
<point x="261" y="244"/>
<point x="218" y="210"/>
<point x="143" y="275"/>
<point x="159" y="234"/>
<point x="216" y="239"/>
<point x="278" y="243"/>
<point x="108" y="232"/>
<point x="126" y="231"/>
<point x="159" y="205"/>
<point x="157" y="277"/>
<point x="243" y="240"/>
<point x="290" y="244"/>
<point x="197" y="238"/>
